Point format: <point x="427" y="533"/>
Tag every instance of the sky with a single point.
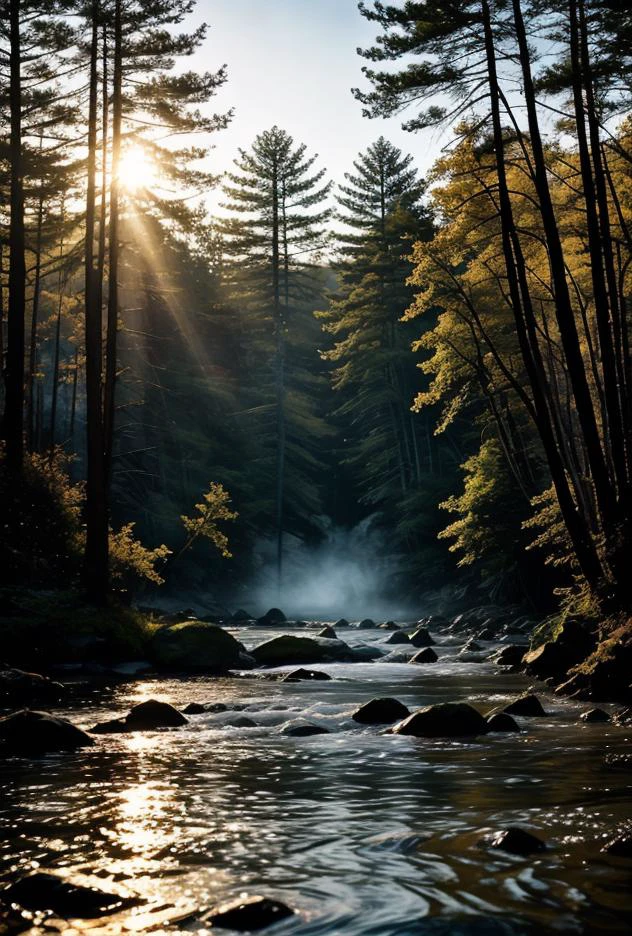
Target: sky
<point x="292" y="63"/>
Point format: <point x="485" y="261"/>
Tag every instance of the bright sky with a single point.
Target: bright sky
<point x="293" y="63"/>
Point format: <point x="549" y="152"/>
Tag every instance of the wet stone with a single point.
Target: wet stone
<point x="427" y="655"/>
<point x="304" y="730"/>
<point x="515" y="840"/>
<point x="146" y="716"/>
<point x="327" y="631"/>
<point x="501" y="721"/>
<point x="397" y="637"/>
<point x="594" y="716"/>
<point x="445" y="720"/>
<point x="380" y="712"/>
<point x="253" y="913"/>
<point x="41" y="891"/>
<point x="421" y="638"/>
<point x="194" y="708"/>
<point x="31" y="733"/>
<point x="527" y="705"/>
<point x="304" y="674"/>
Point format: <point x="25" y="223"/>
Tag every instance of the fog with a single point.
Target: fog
<point x="349" y="574"/>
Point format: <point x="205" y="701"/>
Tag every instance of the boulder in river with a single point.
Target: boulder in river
<point x="146" y="716"/>
<point x="528" y="705"/>
<point x="17" y="687"/>
<point x="397" y="637"/>
<point x="111" y="726"/>
<point x="272" y="616"/>
<point x="303" y="729"/>
<point x="501" y="722"/>
<point x="248" y="914"/>
<point x="327" y="631"/>
<point x="470" y="646"/>
<point x="594" y="715"/>
<point x="421" y="638"/>
<point x="366" y="623"/>
<point x="240" y="616"/>
<point x="29" y="732"/>
<point x="427" y="655"/>
<point x="400" y="655"/>
<point x="241" y="721"/>
<point x="511" y="655"/>
<point x="342" y="622"/>
<point x="194" y="708"/>
<point x="380" y="712"/>
<point x="288" y="648"/>
<point x="515" y="840"/>
<point x="303" y="674"/>
<point x="44" y="891"/>
<point x="444" y="720"/>
<point x="196" y="645"/>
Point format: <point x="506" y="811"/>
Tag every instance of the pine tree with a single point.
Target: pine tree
<point x="278" y="196"/>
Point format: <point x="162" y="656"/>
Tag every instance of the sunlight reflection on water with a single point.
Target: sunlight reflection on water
<point x="366" y="834"/>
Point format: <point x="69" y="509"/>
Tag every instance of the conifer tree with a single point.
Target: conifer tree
<point x="276" y="196"/>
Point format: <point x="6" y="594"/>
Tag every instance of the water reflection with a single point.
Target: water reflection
<point x="364" y="833"/>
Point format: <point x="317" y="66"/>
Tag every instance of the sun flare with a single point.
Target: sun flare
<point x="137" y="169"/>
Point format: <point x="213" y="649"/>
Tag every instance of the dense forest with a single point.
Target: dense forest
<point x="193" y="403"/>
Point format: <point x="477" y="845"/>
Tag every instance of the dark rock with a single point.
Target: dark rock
<point x="113" y="726"/>
<point x="397" y="637"/>
<point x="594" y="715"/>
<point x="402" y="655"/>
<point x="289" y="648"/>
<point x="501" y="722"/>
<point x="620" y="845"/>
<point x="328" y="631"/>
<point x="366" y="623"/>
<point x="216" y="707"/>
<point x="528" y="705"/>
<point x="511" y="655"/>
<point x="300" y="674"/>
<point x="516" y="841"/>
<point x="389" y="625"/>
<point x="253" y="913"/>
<point x="194" y="708"/>
<point x="241" y="616"/>
<point x="303" y="730"/>
<point x="146" y="716"/>
<point x="573" y="642"/>
<point x="29" y="732"/>
<point x="427" y="655"/>
<point x="445" y="720"/>
<point x="421" y="638"/>
<point x="380" y="712"/>
<point x="470" y="646"/>
<point x="42" y="891"/>
<point x="241" y="721"/>
<point x="365" y="654"/>
<point x="273" y="616"/>
<point x="195" y="645"/>
<point x="17" y="687"/>
<point x="343" y="622"/>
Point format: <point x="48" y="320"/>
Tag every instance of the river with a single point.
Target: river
<point x="363" y="833"/>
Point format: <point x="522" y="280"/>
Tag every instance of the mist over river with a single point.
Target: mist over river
<point x="363" y="833"/>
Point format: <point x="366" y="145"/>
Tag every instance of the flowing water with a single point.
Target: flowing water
<point x="362" y="832"/>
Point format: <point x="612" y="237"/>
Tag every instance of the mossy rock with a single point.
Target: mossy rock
<point x="196" y="645"/>
<point x="289" y="649"/>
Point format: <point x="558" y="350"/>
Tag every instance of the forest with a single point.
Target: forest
<point x="280" y="416"/>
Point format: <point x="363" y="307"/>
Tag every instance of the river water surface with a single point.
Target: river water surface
<point x="361" y="832"/>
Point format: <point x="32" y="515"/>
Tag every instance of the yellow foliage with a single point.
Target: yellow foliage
<point x="216" y="507"/>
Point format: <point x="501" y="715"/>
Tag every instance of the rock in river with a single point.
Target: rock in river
<point x="421" y="638"/>
<point x="380" y="712"/>
<point x="42" y="891"/>
<point x="18" y="687"/>
<point x="272" y="616"/>
<point x="528" y="705"/>
<point x="252" y="913"/>
<point x="304" y="674"/>
<point x="303" y="729"/>
<point x="28" y="732"/>
<point x="501" y="722"/>
<point x="195" y="645"/>
<point x="427" y="655"/>
<point x="397" y="637"/>
<point x="594" y="715"/>
<point x="291" y="649"/>
<point x="328" y="631"/>
<point x="445" y="720"/>
<point x="511" y="655"/>
<point x="152" y="714"/>
<point x="515" y="840"/>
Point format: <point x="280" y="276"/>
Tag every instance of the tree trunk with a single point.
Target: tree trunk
<point x="37" y="284"/>
<point x="14" y="372"/>
<point x="96" y="553"/>
<point x="280" y="379"/>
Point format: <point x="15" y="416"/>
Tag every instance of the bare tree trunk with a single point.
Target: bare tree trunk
<point x="96" y="554"/>
<point x="280" y="378"/>
<point x="61" y="283"/>
<point x="14" y="372"/>
<point x="37" y="285"/>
